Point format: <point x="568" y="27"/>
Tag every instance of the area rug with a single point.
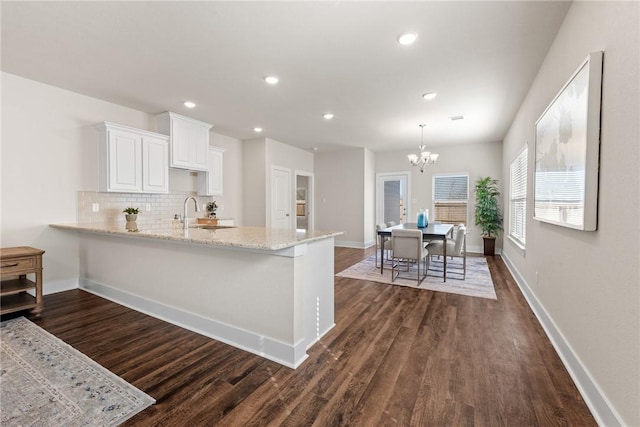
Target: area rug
<point x="477" y="283"/>
<point x="46" y="382"/>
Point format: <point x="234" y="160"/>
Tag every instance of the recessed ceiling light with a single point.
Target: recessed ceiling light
<point x="257" y="130"/>
<point x="189" y="104"/>
<point x="459" y="117"/>
<point x="313" y="148"/>
<point x="429" y="95"/>
<point x="328" y="116"/>
<point x="407" y="38"/>
<point x="271" y="80"/>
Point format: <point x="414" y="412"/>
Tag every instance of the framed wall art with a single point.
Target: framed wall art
<point x="567" y="150"/>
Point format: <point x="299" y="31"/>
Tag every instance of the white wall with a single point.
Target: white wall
<point x="288" y="156"/>
<point x="230" y="203"/>
<point x="369" y="197"/>
<point x="343" y="196"/>
<point x="254" y="185"/>
<point x="49" y="153"/>
<point x="586" y="290"/>
<point x="478" y="160"/>
<point x="260" y="155"/>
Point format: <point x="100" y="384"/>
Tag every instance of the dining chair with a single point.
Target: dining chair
<point x="456" y="248"/>
<point x="408" y="249"/>
<point x="384" y="241"/>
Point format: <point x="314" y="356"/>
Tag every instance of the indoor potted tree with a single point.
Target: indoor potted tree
<point x="488" y="215"/>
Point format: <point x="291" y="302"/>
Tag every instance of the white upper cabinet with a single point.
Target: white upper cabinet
<point x="210" y="182"/>
<point x="132" y="160"/>
<point x="155" y="165"/>
<point x="189" y="140"/>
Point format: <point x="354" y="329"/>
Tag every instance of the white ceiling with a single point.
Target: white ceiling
<point x="342" y="57"/>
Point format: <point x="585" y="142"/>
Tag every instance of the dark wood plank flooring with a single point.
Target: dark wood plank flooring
<point x="397" y="357"/>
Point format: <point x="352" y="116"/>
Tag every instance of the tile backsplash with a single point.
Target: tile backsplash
<point x="162" y="207"/>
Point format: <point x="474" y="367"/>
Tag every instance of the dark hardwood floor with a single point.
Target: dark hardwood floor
<point x="397" y="357"/>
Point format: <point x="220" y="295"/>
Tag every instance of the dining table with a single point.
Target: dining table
<point x="433" y="231"/>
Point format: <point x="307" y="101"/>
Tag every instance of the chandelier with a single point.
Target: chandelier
<point x="425" y="157"/>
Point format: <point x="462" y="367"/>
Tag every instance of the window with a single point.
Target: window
<point x="450" y="197"/>
<point x="518" y="198"/>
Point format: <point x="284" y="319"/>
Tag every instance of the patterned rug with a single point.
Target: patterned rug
<point x="477" y="283"/>
<point x="46" y="382"/>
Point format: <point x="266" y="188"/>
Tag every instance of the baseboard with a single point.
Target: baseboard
<point x="285" y="354"/>
<point x="598" y="404"/>
<point x="52" y="287"/>
<point x="314" y="342"/>
<point x="480" y="250"/>
<point x="350" y="244"/>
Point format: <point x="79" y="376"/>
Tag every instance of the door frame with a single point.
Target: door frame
<point x="310" y="197"/>
<point x="380" y="176"/>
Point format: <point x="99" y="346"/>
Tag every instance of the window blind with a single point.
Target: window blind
<point x="518" y="198"/>
<point x="450" y="197"/>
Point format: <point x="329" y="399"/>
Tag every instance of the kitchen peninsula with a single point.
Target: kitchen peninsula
<point x="267" y="291"/>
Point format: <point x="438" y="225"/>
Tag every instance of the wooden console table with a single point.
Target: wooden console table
<point x="15" y="264"/>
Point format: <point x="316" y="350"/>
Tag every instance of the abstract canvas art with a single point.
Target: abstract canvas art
<point x="567" y="142"/>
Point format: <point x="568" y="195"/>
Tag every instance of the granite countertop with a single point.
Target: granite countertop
<point x="239" y="237"/>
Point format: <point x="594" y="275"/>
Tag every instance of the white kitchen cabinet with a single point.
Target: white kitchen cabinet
<point x="189" y="140"/>
<point x="210" y="182"/>
<point x="132" y="160"/>
<point x="155" y="165"/>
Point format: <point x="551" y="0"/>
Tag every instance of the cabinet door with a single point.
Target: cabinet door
<point x="125" y="165"/>
<point x="215" y="172"/>
<point x="210" y="182"/>
<point x="180" y="144"/>
<point x="200" y="147"/>
<point x="155" y="165"/>
<point x="189" y="144"/>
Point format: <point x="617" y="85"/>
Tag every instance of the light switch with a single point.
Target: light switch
<point x="95" y="207"/>
<point x="148" y="207"/>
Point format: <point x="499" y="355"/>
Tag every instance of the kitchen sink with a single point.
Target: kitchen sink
<point x="214" y="227"/>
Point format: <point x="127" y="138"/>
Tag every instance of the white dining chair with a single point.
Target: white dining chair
<point x="408" y="249"/>
<point x="456" y="248"/>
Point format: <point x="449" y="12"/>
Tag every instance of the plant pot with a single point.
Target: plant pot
<point x="131" y="217"/>
<point x="489" y="245"/>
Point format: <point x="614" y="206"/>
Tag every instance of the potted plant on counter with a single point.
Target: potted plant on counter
<point x="488" y="215"/>
<point x="131" y="214"/>
<point x="211" y="208"/>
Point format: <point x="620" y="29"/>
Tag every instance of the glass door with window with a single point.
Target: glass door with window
<point x="392" y="198"/>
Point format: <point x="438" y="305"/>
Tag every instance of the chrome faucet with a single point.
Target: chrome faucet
<point x="185" y="219"/>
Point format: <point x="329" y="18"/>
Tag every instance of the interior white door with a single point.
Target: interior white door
<point x="281" y="198"/>
<point x="392" y="201"/>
